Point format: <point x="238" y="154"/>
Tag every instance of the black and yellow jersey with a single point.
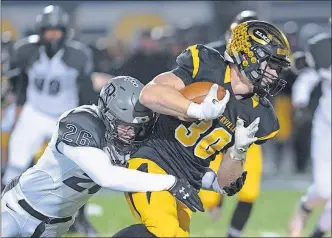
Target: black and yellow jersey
<point x="185" y="149"/>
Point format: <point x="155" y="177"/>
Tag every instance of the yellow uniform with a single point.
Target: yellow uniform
<point x="185" y="149"/>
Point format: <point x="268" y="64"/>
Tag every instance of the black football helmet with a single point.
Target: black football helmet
<point x="52" y="17"/>
<point x="255" y="42"/>
<point x="128" y="123"/>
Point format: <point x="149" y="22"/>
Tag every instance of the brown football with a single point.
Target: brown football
<point x="196" y="92"/>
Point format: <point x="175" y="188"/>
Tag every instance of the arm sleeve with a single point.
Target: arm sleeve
<point x="99" y="168"/>
<point x="303" y="86"/>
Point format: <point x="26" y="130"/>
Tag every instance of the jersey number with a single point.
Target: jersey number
<point x="209" y="144"/>
<point x="73" y="182"/>
<point x="53" y="86"/>
<point x="82" y="137"/>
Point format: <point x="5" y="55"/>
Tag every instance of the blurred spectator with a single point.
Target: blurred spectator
<point x="111" y="56"/>
<point x="174" y="44"/>
<point x="147" y="61"/>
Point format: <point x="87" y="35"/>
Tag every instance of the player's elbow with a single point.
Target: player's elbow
<point x="147" y="95"/>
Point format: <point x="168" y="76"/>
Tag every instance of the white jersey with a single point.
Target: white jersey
<point x="304" y="85"/>
<point x="53" y="83"/>
<point x="324" y="106"/>
<point x="52" y="86"/>
<point x="318" y="57"/>
<point x="56" y="186"/>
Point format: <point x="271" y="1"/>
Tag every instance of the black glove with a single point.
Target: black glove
<point x="187" y="194"/>
<point x="236" y="186"/>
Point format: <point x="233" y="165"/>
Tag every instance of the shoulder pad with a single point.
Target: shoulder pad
<point x="79" y="56"/>
<point x="23" y="50"/>
<point x="317" y="38"/>
<point x="318" y="54"/>
<point x="202" y="62"/>
<point x="82" y="127"/>
<point x="80" y="47"/>
<point x="29" y="41"/>
<point x="269" y="124"/>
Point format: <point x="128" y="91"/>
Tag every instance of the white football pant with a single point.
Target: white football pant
<point x="30" y="131"/>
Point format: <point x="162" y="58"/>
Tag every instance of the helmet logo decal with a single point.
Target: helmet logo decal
<point x="260" y="36"/>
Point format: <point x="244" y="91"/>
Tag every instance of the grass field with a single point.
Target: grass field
<point x="270" y="214"/>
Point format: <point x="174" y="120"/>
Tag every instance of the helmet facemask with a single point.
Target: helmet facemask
<point x="126" y="138"/>
<point x="54" y="45"/>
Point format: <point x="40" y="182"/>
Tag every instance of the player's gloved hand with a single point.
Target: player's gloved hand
<point x="236" y="186"/>
<point x="186" y="194"/>
<point x="244" y="137"/>
<point x="211" y="107"/>
<point x="210" y="182"/>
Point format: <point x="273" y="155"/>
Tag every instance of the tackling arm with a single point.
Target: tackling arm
<point x="98" y="166"/>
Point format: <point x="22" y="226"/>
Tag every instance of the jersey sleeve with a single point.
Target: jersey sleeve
<point x="199" y="63"/>
<point x="81" y="129"/>
<point x="269" y="124"/>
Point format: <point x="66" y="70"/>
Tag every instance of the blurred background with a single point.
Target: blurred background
<point x="143" y="38"/>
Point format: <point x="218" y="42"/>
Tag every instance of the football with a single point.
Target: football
<point x="196" y="92"/>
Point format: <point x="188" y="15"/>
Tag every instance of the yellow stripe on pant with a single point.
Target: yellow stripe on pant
<point x="251" y="188"/>
<point x="40" y="152"/>
<point x="160" y="212"/>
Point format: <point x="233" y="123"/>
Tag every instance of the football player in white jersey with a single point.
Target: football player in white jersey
<point x="52" y="75"/>
<point x="80" y="159"/>
<point x="319" y="193"/>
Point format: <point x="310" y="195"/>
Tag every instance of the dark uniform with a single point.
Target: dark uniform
<point x="253" y="164"/>
<point x="185" y="149"/>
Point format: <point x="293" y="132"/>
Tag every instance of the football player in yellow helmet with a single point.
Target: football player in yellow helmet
<point x="255" y="56"/>
<point x="212" y="201"/>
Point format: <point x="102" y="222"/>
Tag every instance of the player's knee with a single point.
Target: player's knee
<point x="248" y="196"/>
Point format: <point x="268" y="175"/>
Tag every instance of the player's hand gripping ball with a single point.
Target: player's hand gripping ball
<point x="202" y="93"/>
